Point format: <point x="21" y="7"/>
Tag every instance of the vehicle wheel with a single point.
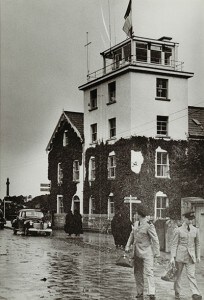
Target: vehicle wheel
<point x="15" y="231"/>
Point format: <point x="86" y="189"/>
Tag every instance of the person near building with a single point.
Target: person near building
<point x="69" y="223"/>
<point x="78" y="228"/>
<point x="185" y="251"/>
<point x="145" y="248"/>
<point x="121" y="227"/>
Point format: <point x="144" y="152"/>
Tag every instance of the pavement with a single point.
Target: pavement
<point x="105" y="242"/>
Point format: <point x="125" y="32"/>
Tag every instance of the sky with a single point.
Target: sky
<point x="43" y="60"/>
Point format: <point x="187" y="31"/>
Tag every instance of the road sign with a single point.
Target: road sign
<point x="44" y="189"/>
<point x="45" y="185"/>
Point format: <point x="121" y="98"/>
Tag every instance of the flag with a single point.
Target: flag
<point x="127" y="28"/>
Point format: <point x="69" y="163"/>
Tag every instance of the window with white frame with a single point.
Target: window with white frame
<point x="75" y="170"/>
<point x="141" y="52"/>
<point x="92" y="168"/>
<point x="162" y="88"/>
<point x="93" y="99"/>
<point x="94" y="133"/>
<point x="111" y="165"/>
<point x="59" y="173"/>
<point x="162" y="163"/>
<point x="167" y="55"/>
<point x="92" y="206"/>
<point x="112" y="127"/>
<point x="111" y="207"/>
<point x="60" y="205"/>
<point x="112" y="92"/>
<point x="162" y="125"/>
<point x="161" y="205"/>
<point x="127" y="52"/>
<point x="65" y="138"/>
<point x="156" y="52"/>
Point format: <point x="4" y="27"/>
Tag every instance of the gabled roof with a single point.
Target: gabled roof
<point x="75" y="119"/>
<point x="196" y="122"/>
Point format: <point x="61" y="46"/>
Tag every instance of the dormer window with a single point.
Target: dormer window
<point x="93" y="99"/>
<point x="112" y="92"/>
<point x="65" y="138"/>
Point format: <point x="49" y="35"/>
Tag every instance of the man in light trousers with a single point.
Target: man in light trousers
<point x="146" y="246"/>
<point x="185" y="251"/>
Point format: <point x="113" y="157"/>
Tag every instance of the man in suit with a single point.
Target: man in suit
<point x="185" y="251"/>
<point x="146" y="246"/>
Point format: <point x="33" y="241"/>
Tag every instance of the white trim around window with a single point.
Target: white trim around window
<point x="162" y="163"/>
<point x="161" y="204"/>
<point x="60" y="204"/>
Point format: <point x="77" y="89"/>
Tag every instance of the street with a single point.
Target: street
<point x="59" y="267"/>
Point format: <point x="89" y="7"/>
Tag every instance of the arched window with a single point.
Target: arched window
<point x="161" y="204"/>
<point x="92" y="169"/>
<point x="111" y="165"/>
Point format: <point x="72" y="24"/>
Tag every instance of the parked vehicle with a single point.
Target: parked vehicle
<point x="2" y="222"/>
<point x="31" y="221"/>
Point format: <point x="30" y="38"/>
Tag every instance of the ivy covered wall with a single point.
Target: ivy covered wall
<point x="64" y="155"/>
<point x="186" y="161"/>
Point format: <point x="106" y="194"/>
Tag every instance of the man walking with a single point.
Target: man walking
<point x="146" y="246"/>
<point x="185" y="251"/>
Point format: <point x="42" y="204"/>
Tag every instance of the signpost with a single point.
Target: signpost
<point x="45" y="187"/>
<point x="131" y="200"/>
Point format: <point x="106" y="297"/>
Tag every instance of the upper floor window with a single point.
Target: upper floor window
<point x="92" y="168"/>
<point x="93" y="99"/>
<point x="162" y="163"/>
<point x="167" y="55"/>
<point x="75" y="170"/>
<point x="141" y="51"/>
<point x="127" y="52"/>
<point x="162" y="88"/>
<point x="162" y="125"/>
<point x="111" y="165"/>
<point x="112" y="127"/>
<point x="161" y="205"/>
<point x="156" y="52"/>
<point x="60" y="205"/>
<point x="118" y="57"/>
<point x="94" y="133"/>
<point x="65" y="138"/>
<point x="112" y="92"/>
<point x="59" y="173"/>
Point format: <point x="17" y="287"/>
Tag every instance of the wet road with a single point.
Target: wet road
<point x="57" y="268"/>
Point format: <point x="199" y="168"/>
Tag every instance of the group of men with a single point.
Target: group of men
<point x="185" y="251"/>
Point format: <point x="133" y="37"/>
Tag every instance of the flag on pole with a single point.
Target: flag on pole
<point x="127" y="28"/>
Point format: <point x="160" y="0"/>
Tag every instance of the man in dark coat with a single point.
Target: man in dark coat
<point x="78" y="229"/>
<point x="69" y="223"/>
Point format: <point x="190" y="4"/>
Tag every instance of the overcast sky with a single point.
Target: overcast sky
<point x="43" y="61"/>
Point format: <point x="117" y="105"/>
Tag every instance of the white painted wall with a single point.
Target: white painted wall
<point x="136" y="109"/>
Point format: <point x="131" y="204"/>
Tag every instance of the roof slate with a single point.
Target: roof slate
<point x="196" y="122"/>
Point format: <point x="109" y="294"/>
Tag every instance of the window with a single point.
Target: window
<point x="65" y="138"/>
<point x="93" y="99"/>
<point x="118" y="57"/>
<point x="59" y="173"/>
<point x="76" y="170"/>
<point x="162" y="88"/>
<point x="156" y="51"/>
<point x="94" y="133"/>
<point x="162" y="163"/>
<point x="92" y="168"/>
<point x="60" y="205"/>
<point x="111" y="207"/>
<point x="112" y="92"/>
<point x="112" y="126"/>
<point x="111" y="165"/>
<point x="92" y="206"/>
<point x="141" y="52"/>
<point x="127" y="52"/>
<point x="167" y="55"/>
<point x="161" y="204"/>
<point x="162" y="125"/>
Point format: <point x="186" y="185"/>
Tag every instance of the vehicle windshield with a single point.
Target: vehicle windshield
<point x="37" y="214"/>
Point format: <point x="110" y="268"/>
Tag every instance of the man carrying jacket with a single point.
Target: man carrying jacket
<point x="185" y="251"/>
<point x="146" y="246"/>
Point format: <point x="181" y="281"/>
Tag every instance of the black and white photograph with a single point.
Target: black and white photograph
<point x="101" y="149"/>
